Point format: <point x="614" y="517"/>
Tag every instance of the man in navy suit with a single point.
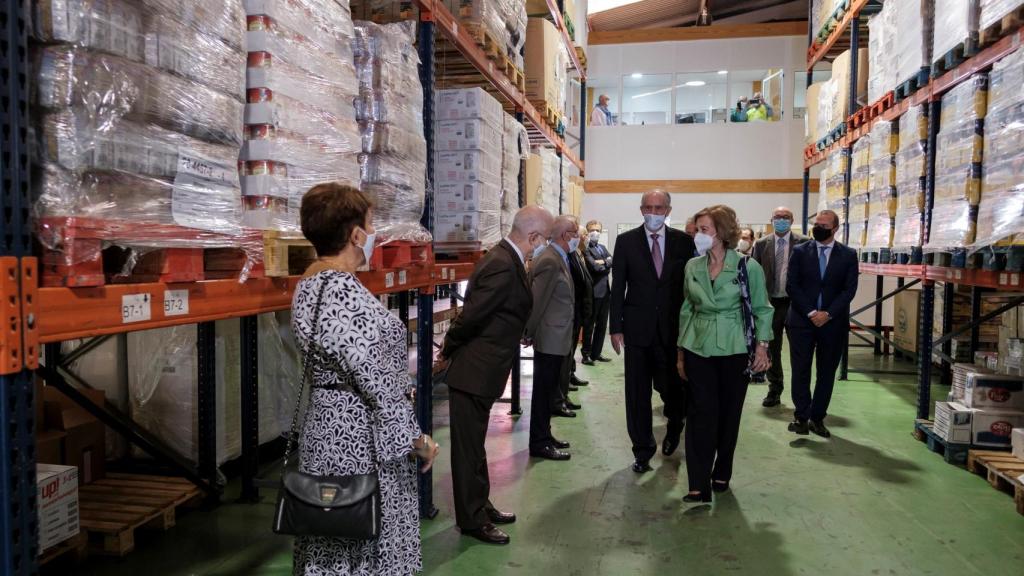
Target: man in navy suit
<point x="821" y="282"/>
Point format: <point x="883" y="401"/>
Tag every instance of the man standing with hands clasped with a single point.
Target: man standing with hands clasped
<point x="773" y="253"/>
<point x="821" y="281"/>
<point x="647" y="294"/>
<point x="599" y="262"/>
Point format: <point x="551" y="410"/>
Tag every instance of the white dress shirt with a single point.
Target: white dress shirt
<point x="783" y="274"/>
<point x="828" y="255"/>
<point x="598" y="118"/>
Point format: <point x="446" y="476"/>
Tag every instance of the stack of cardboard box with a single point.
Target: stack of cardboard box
<point x="991" y="404"/>
<point x="56" y="504"/>
<point x="66" y="434"/>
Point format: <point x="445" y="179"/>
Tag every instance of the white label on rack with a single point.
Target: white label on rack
<point x="1015" y="279"/>
<point x="959" y="274"/>
<point x="1002" y="278"/>
<point x="389" y="280"/>
<point x="949" y="275"/>
<point x="136" y="308"/>
<point x="403" y="277"/>
<point x="175" y="302"/>
<point x="444" y="273"/>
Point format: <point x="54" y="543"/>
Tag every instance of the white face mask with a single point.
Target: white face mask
<point x="574" y="244"/>
<point x="654" y="222"/>
<point x="594" y="236"/>
<point x="743" y="245"/>
<point x="368" y="246"/>
<point x="703" y="242"/>
<point x="539" y="248"/>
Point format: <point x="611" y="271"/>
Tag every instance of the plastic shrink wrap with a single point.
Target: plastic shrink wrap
<point x="300" y="125"/>
<point x="860" y="184"/>
<point x="958" y="157"/>
<point x="137" y="127"/>
<point x="911" y="173"/>
<point x="992" y="11"/>
<point x="515" y="150"/>
<point x="956" y="24"/>
<point x="163" y="384"/>
<point x="881" y="189"/>
<point x="1001" y="212"/>
<point x="914" y="24"/>
<point x="468" y="170"/>
<point x="882" y="53"/>
<point x="389" y="110"/>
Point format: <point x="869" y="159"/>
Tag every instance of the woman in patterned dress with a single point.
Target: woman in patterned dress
<point x="342" y="435"/>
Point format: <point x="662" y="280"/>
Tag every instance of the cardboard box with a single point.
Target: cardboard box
<point x="468" y="166"/>
<point x="56" y="503"/>
<point x="50" y="446"/>
<point x="1017" y="442"/>
<point x="465" y="103"/>
<point x="456" y="227"/>
<point x="994" y="391"/>
<point x="993" y="427"/>
<point x="905" y="328"/>
<point x="466" y="197"/>
<point x="85" y="443"/>
<point x="542" y="45"/>
<point x="468" y="134"/>
<point x="953" y="422"/>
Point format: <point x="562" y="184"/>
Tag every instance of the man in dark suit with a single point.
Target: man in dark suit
<point x="599" y="264"/>
<point x="583" y="285"/>
<point x="549" y="331"/>
<point x="773" y="253"/>
<point x="479" y="350"/>
<point x="822" y="281"/>
<point x="646" y="297"/>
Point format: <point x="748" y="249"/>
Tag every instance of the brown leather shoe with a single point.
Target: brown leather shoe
<point x="499" y="517"/>
<point x="488" y="534"/>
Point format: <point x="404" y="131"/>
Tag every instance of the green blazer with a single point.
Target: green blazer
<point x="711" y="319"/>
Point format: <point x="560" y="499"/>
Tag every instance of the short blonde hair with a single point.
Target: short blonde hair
<point x="726" y="224"/>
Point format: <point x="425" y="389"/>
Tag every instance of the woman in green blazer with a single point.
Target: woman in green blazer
<point x="712" y="346"/>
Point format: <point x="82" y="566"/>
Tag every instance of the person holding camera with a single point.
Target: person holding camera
<point x="757" y="110"/>
<point x="725" y="327"/>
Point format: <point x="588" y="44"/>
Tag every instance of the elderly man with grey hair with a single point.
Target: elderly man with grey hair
<point x="479" y="351"/>
<point x="647" y="294"/>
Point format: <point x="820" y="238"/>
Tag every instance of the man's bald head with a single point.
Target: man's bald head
<point x="782" y="212"/>
<point x="532" y="220"/>
<point x="565" y="229"/>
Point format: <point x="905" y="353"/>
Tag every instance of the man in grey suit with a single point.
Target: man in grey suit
<point x="772" y="252"/>
<point x="550" y="330"/>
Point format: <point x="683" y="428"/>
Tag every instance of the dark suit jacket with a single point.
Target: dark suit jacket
<point x="645" y="308"/>
<point x="483" y="340"/>
<point x="837" y="288"/>
<point x="764" y="253"/>
<point x="583" y="284"/>
<point x="599" y="272"/>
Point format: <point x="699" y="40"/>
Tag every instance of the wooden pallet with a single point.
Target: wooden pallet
<point x="955" y="57"/>
<point x="881" y="106"/>
<point x="112" y="508"/>
<point x="951" y="452"/>
<point x="460" y="257"/>
<point x="81" y="252"/>
<point x="547" y="112"/>
<point x="1003" y="471"/>
<point x="908" y="87"/>
<point x="497" y="53"/>
<point x="1003" y="27"/>
<point x="74" y="549"/>
<point x="286" y="255"/>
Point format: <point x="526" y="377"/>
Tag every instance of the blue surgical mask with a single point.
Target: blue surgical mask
<point x="654" y="222"/>
<point x="574" y="244"/>
<point x="538" y="249"/>
<point x="782" y="225"/>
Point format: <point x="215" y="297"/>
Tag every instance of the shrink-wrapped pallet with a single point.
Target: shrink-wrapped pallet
<point x="911" y="173"/>
<point x="860" y="185"/>
<point x="956" y="26"/>
<point x="882" y="52"/>
<point x="881" y="189"/>
<point x="914" y="24"/>
<point x="389" y="109"/>
<point x="958" y="157"/>
<point x="992" y="11"/>
<point x="1001" y="212"/>
<point x="515" y="150"/>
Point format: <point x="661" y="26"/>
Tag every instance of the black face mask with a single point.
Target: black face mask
<point x="821" y="234"/>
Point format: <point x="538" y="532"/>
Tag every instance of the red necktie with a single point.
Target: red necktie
<point x="656" y="254"/>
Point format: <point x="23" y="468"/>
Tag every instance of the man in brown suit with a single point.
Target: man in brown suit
<point x="479" y="350"/>
<point x="550" y="330"/>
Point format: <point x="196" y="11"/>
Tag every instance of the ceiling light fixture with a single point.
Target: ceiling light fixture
<point x="636" y="75"/>
<point x="723" y="72"/>
<point x="695" y="83"/>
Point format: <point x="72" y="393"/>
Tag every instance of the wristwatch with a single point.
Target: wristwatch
<point x="764" y="343"/>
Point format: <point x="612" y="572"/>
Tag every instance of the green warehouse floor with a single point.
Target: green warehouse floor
<point x="872" y="500"/>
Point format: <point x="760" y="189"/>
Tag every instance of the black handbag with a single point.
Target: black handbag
<point x="330" y="506"/>
<point x="749" y="327"/>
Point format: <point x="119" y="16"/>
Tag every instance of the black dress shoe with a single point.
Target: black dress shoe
<point x="489" y="534"/>
<point x="575" y="381"/>
<point x="499" y="517"/>
<point x="563" y="412"/>
<point x="819" y="429"/>
<point x="550" y="453"/>
<point x="573" y="388"/>
<point x="588" y="362"/>
<point x="771" y="400"/>
<point x="671" y="443"/>
<point x="572" y="405"/>
<point x="719" y="486"/>
<point x="697" y="498"/>
<point x="561" y="445"/>
<point x="799" y="426"/>
<point x="603" y="359"/>
<point x="641" y="466"/>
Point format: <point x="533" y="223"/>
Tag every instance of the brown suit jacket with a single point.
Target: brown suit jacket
<point x="483" y="340"/>
<point x="554" y="304"/>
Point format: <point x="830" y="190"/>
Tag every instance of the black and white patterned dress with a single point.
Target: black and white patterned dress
<point x="369" y="346"/>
